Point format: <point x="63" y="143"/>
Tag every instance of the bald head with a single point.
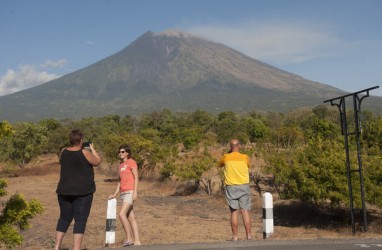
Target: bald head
<point x="235" y="145"/>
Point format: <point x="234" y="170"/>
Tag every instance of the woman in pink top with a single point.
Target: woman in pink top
<point x="127" y="186"/>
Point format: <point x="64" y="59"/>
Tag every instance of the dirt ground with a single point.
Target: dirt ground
<point x="164" y="217"/>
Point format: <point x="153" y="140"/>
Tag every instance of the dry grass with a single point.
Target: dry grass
<point x="166" y="218"/>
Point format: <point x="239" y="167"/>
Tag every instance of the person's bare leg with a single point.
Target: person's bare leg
<point x="247" y="222"/>
<point x="125" y="222"/>
<point x="59" y="238"/>
<point x="134" y="227"/>
<point x="234" y="223"/>
<point x="78" y="241"/>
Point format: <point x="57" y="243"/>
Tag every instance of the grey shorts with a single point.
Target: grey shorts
<point x="238" y="196"/>
<point x="127" y="197"/>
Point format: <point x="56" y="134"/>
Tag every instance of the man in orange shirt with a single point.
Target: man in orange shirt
<point x="237" y="190"/>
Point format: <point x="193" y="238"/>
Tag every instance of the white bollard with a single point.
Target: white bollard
<point x="111" y="220"/>
<point x="267" y="215"/>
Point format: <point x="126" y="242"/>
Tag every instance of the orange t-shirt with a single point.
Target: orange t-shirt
<point x="126" y="176"/>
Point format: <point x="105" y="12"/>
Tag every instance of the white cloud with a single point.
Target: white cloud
<point x="55" y="64"/>
<point x="273" y="41"/>
<point x="27" y="76"/>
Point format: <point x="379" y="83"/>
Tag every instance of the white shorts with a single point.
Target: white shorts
<point x="127" y="197"/>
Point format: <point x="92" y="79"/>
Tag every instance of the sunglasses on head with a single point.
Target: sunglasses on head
<point x="121" y="151"/>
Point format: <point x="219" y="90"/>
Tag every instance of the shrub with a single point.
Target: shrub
<point x="15" y="217"/>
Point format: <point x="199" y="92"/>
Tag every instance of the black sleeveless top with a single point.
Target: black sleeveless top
<point x="77" y="174"/>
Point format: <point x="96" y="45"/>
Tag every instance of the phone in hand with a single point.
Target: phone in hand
<point x="86" y="145"/>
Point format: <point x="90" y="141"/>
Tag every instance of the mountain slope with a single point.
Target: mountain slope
<point x="173" y="70"/>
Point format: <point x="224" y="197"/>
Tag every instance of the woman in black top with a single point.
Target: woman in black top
<point x="75" y="188"/>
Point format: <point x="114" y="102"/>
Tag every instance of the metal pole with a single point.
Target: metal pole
<point x="345" y="132"/>
<point x="348" y="170"/>
<point x="357" y="110"/>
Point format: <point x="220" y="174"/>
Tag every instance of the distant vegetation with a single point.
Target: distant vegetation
<point x="301" y="152"/>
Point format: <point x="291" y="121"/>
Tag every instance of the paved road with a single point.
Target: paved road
<point x="317" y="244"/>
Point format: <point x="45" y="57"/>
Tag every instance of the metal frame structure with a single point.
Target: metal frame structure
<point x="340" y="103"/>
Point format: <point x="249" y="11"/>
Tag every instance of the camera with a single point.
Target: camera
<point x="86" y="145"/>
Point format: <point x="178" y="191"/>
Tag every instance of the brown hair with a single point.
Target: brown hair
<point x="75" y="137"/>
<point x="127" y="149"/>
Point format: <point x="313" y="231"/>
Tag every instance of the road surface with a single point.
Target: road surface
<point x="315" y="244"/>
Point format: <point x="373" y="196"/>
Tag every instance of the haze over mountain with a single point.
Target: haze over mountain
<point x="172" y="70"/>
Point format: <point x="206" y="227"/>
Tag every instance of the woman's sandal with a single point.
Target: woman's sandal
<point x="127" y="243"/>
<point x="233" y="239"/>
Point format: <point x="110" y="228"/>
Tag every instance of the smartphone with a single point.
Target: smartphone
<point x="86" y="144"/>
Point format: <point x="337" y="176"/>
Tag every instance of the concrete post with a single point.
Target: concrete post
<point x="268" y="229"/>
<point x="111" y="220"/>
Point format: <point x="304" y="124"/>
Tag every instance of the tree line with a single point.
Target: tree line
<point x="303" y="151"/>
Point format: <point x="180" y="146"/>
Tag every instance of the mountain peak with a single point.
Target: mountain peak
<point x="179" y="34"/>
<point x="175" y="33"/>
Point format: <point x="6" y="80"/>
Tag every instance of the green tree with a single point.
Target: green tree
<point x="191" y="137"/>
<point x="167" y="170"/>
<point x="286" y="137"/>
<point x="150" y="134"/>
<point x="315" y="172"/>
<point x="202" y="118"/>
<point x="57" y="135"/>
<point x="165" y="123"/>
<point x="6" y="133"/>
<point x="27" y="142"/>
<point x="193" y="168"/>
<point x="5" y="129"/>
<point x="50" y="124"/>
<point x="372" y="163"/>
<point x="255" y="128"/>
<point x="15" y="216"/>
<point x="228" y="127"/>
<point x="274" y="120"/>
<point x="323" y="129"/>
<point x="372" y="132"/>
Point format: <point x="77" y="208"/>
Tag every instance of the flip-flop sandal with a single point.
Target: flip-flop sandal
<point x="232" y="239"/>
<point x="127" y="243"/>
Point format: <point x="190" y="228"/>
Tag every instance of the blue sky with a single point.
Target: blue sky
<point x="336" y="42"/>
